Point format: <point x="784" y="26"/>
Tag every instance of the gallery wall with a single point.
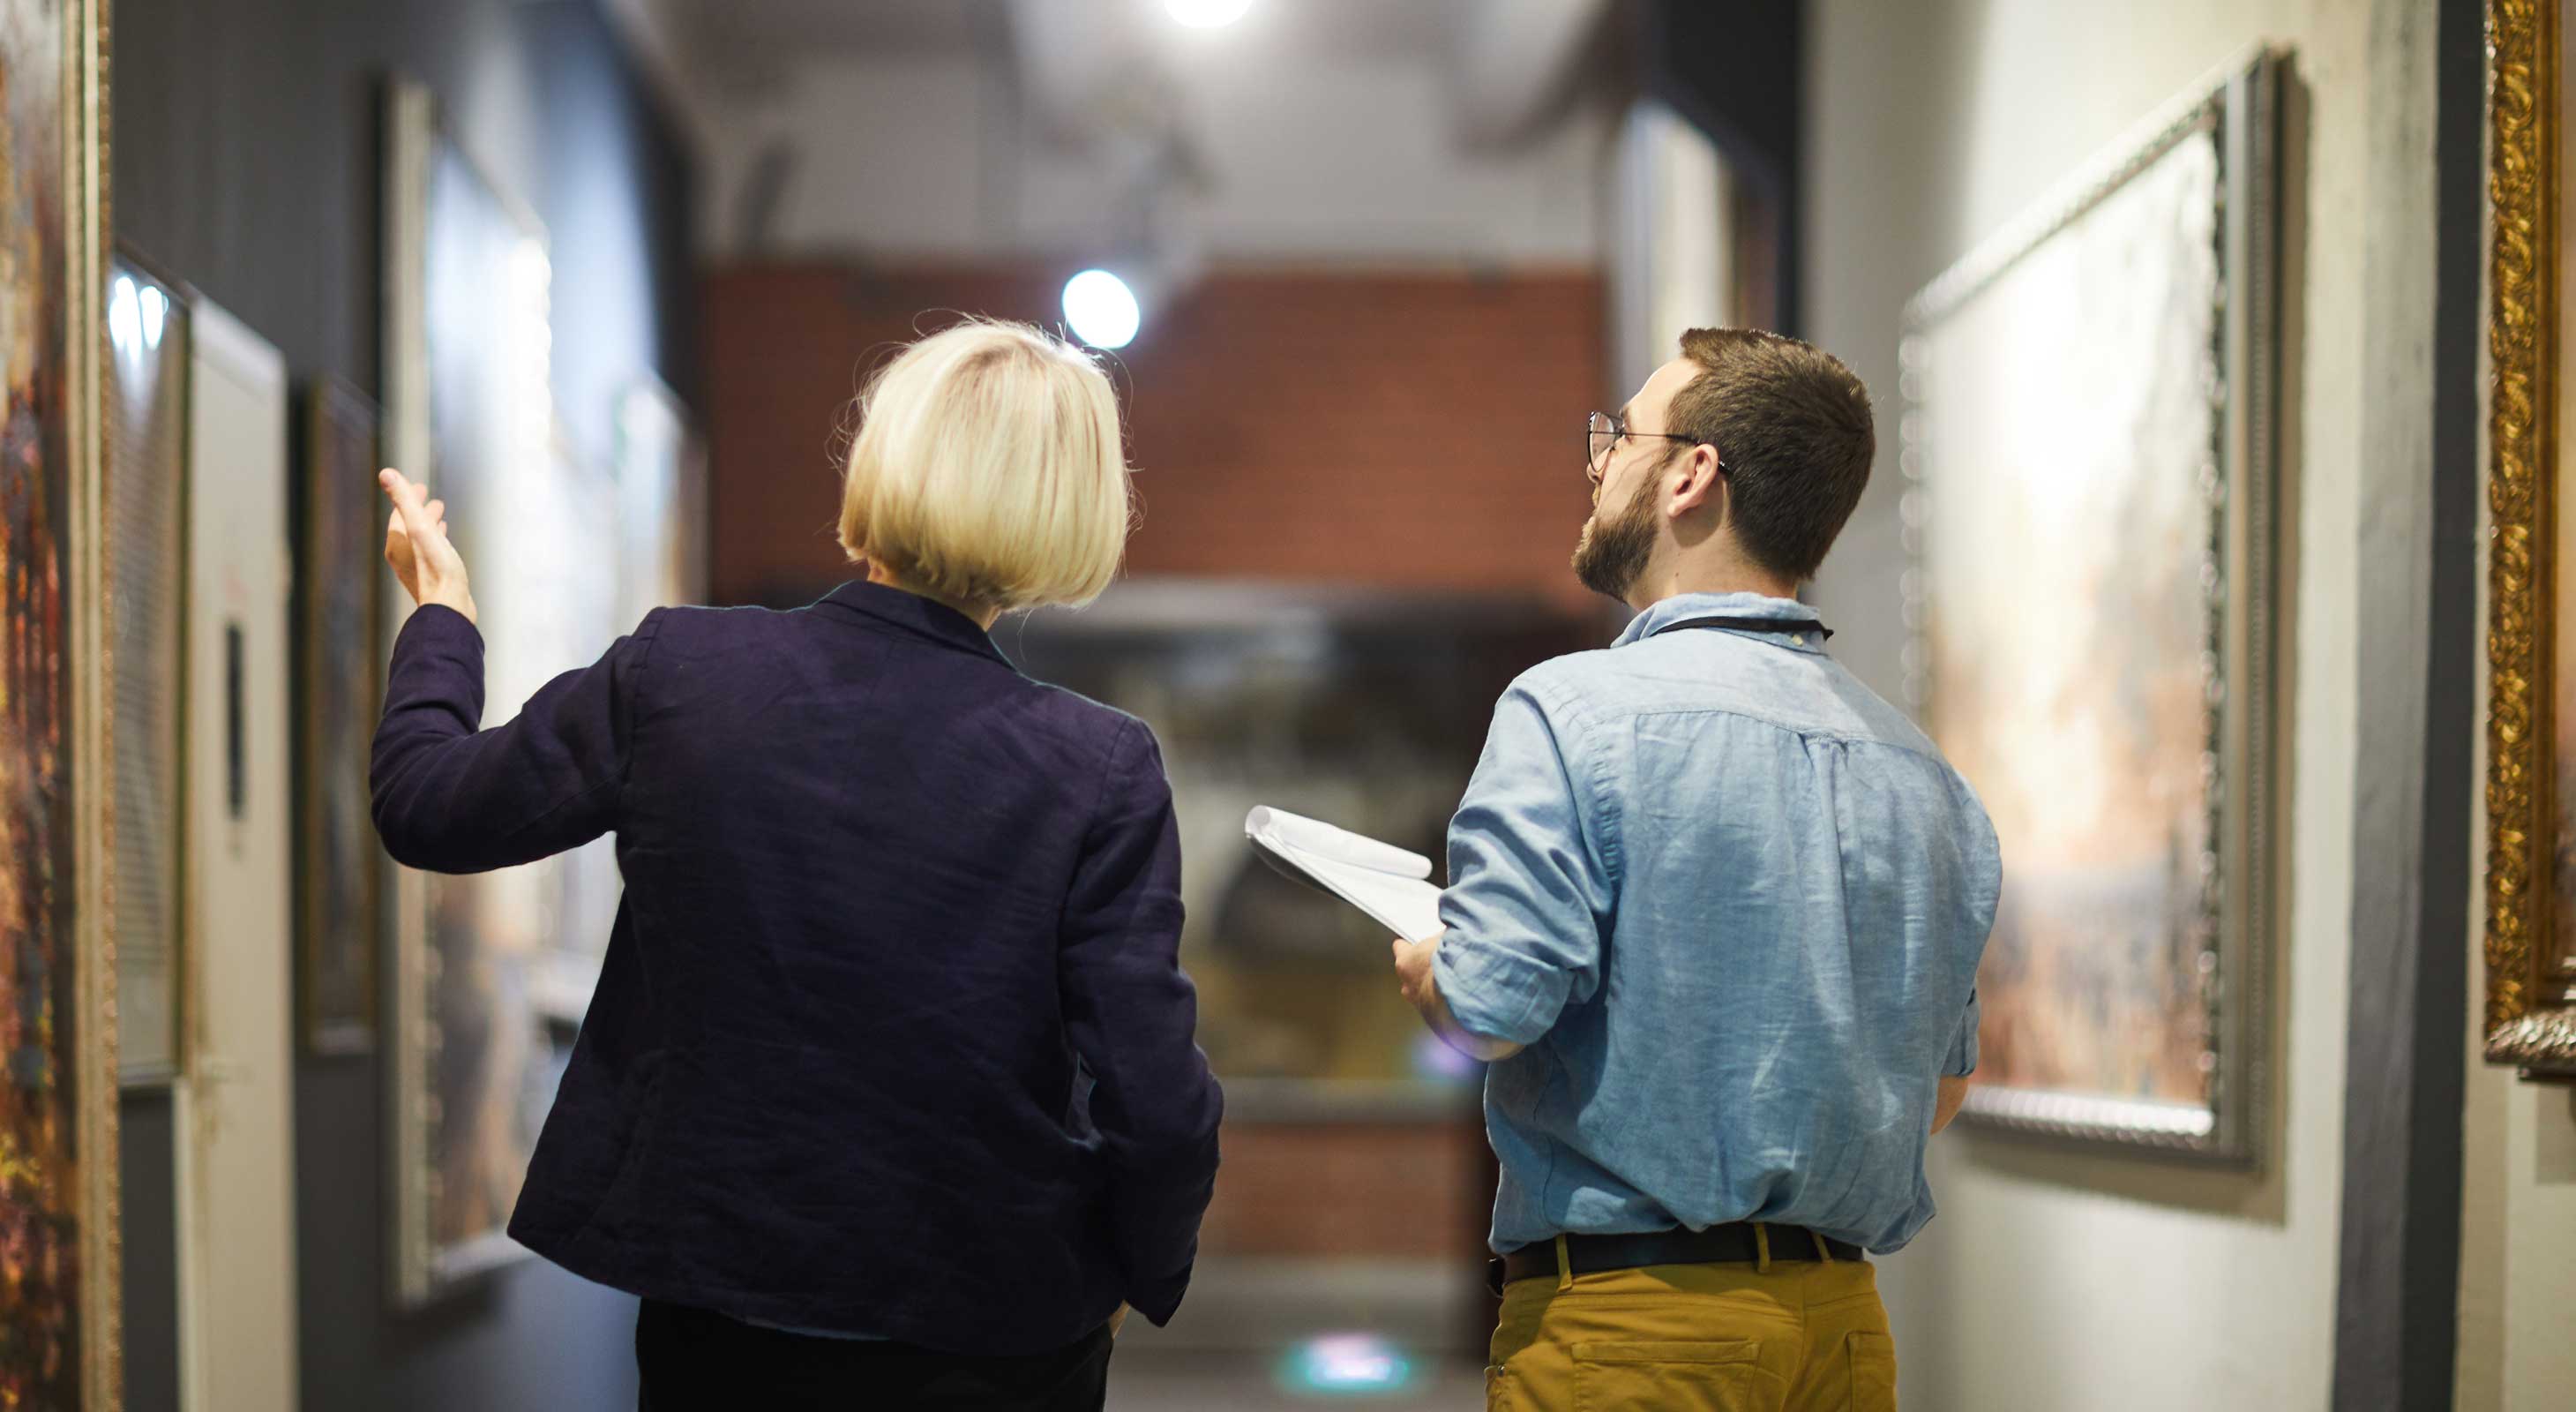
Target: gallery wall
<point x="2518" y="1220"/>
<point x="2055" y="1276"/>
<point x="245" y="165"/>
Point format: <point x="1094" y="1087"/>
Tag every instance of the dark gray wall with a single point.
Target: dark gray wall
<point x="2397" y="1295"/>
<point x="145" y="1174"/>
<point x="245" y="136"/>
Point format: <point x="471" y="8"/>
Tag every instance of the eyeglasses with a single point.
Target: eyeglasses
<point x="1603" y="430"/>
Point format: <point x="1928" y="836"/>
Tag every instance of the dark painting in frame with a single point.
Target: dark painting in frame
<point x="339" y="863"/>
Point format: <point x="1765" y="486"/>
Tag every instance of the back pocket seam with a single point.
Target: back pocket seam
<point x="1712" y="1351"/>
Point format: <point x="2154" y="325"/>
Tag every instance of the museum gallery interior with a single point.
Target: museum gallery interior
<point x="2220" y="356"/>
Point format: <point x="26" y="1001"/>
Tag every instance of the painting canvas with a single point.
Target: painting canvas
<point x="469" y="408"/>
<point x="58" y="1217"/>
<point x="2084" y="394"/>
<point x="338" y="579"/>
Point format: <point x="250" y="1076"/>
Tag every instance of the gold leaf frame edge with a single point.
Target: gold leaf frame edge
<point x="85" y="212"/>
<point x="2522" y="1029"/>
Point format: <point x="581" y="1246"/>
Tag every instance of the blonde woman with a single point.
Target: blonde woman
<point x="887" y="1096"/>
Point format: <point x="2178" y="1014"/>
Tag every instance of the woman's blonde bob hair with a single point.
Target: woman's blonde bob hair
<point x="988" y="470"/>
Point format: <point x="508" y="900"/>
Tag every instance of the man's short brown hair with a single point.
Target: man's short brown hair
<point x="1793" y="426"/>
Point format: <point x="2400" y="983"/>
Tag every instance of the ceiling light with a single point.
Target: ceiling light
<point x="1207" y="14"/>
<point x="1101" y="309"/>
<point x="124" y="315"/>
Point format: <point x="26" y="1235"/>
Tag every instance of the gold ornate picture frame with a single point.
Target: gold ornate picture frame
<point x="2531" y="849"/>
<point x="61" y="1335"/>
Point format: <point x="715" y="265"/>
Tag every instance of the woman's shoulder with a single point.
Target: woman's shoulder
<point x="1094" y="721"/>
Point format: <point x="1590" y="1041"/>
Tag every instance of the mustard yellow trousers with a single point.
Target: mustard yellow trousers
<point x="1792" y="1336"/>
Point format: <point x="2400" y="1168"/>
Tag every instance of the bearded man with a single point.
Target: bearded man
<point x="1714" y="917"/>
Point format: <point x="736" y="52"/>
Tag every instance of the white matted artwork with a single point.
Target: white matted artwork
<point x="2090" y="506"/>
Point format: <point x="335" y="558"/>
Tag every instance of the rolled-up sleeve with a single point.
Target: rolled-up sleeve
<point x="1530" y="889"/>
<point x="1962" y="1060"/>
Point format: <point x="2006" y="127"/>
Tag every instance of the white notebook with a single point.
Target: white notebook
<point x="1387" y="882"/>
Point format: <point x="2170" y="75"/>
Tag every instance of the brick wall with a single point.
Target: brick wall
<point x="1406" y="430"/>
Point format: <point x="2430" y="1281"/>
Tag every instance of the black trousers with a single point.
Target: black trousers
<point x="692" y="1359"/>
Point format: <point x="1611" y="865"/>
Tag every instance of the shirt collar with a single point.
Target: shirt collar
<point x="1682" y="607"/>
<point x="914" y="614"/>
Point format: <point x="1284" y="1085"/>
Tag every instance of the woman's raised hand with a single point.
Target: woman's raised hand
<point x="417" y="547"/>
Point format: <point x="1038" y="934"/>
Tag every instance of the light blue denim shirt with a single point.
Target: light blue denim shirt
<point x="1732" y="903"/>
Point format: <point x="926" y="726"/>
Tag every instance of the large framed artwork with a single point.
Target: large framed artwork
<point x="469" y="409"/>
<point x="339" y="578"/>
<point x="2088" y="447"/>
<point x="147" y="446"/>
<point x="59" y="1331"/>
<point x="2531" y="764"/>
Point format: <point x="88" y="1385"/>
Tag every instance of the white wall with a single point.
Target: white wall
<point x="1307" y="158"/>
<point x="2055" y="1278"/>
<point x="2518" y="1227"/>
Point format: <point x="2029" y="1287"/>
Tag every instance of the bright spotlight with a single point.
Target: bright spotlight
<point x="124" y="315"/>
<point x="1101" y="308"/>
<point x="1207" y="14"/>
<point x="156" y="307"/>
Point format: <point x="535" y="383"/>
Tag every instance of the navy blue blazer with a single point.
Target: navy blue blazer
<point x="892" y="1037"/>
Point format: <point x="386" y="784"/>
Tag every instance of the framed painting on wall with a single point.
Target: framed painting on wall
<point x="468" y="409"/>
<point x="339" y="648"/>
<point x="59" y="1305"/>
<point x="2089" y="507"/>
<point x="147" y="447"/>
<point x="2531" y="697"/>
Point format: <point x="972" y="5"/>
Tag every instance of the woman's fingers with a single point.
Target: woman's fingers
<point x="398" y="554"/>
<point x="421" y="517"/>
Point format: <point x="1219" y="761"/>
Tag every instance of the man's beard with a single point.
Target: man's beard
<point x="1611" y="556"/>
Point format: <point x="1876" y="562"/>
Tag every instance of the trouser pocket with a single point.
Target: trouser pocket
<point x="1873" y="1372"/>
<point x="1674" y="1377"/>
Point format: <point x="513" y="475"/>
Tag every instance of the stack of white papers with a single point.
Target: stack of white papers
<point x="1387" y="882"/>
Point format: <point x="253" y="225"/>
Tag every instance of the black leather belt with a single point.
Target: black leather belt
<point x="1728" y="1244"/>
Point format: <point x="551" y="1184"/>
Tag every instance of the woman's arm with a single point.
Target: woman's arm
<point x="452" y="799"/>
<point x="1131" y="1013"/>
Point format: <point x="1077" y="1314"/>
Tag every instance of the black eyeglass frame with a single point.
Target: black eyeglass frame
<point x="1592" y="455"/>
